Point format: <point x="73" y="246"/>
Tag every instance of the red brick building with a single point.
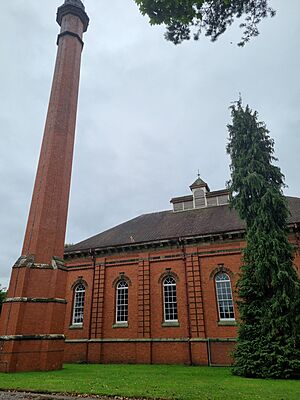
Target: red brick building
<point x="156" y="289"/>
<point x="160" y="287"/>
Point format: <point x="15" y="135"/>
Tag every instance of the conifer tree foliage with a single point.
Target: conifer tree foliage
<point x="269" y="287"/>
<point x="189" y="18"/>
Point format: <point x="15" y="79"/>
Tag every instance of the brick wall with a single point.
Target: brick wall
<point x="198" y="338"/>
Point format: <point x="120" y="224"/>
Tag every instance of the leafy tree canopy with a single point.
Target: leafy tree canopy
<point x="269" y="287"/>
<point x="189" y="18"/>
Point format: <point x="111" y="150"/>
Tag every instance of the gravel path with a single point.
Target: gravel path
<point x="37" y="396"/>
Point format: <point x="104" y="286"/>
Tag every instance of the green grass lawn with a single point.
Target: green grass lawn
<point x="153" y="381"/>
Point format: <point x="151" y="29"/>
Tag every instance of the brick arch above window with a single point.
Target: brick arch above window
<point x="121" y="277"/>
<point x="166" y="274"/>
<point x="220" y="268"/>
<point x="79" y="281"/>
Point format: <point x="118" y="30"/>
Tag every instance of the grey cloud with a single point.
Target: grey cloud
<point x="150" y="113"/>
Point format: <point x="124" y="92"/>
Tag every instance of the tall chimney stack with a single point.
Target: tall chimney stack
<point x="32" y="319"/>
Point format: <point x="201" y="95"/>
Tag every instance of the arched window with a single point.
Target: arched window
<point x="122" y="302"/>
<point x="224" y="296"/>
<point x="170" y="299"/>
<point x="78" y="305"/>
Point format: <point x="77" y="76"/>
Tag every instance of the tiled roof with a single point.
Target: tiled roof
<point x="169" y="225"/>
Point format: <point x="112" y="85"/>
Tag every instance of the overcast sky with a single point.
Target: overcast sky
<point x="150" y="113"/>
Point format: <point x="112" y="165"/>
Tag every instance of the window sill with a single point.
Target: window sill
<point x="227" y="323"/>
<point x="79" y="326"/>
<point x="120" y="325"/>
<point x="170" y="324"/>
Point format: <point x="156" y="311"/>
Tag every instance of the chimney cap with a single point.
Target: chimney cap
<point x="76" y="3"/>
<point x="76" y="8"/>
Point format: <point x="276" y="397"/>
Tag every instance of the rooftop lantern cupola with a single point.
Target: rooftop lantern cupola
<point x="201" y="197"/>
<point x="199" y="189"/>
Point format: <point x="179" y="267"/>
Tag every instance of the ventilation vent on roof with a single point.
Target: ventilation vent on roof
<point x="178" y="206"/>
<point x="212" y="201"/>
<point x="188" y="205"/>
<point x="223" y="199"/>
<point x="199" y="198"/>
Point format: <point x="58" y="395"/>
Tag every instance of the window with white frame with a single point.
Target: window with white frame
<point x="78" y="307"/>
<point x="122" y="302"/>
<point x="170" y="299"/>
<point x="224" y="296"/>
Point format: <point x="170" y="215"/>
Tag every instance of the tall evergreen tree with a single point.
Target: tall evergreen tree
<point x="269" y="287"/>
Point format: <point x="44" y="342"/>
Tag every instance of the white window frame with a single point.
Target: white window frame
<point x="78" y="304"/>
<point x="224" y="297"/>
<point x="122" y="294"/>
<point x="169" y="288"/>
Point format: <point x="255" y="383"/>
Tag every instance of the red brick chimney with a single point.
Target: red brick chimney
<point x="32" y="319"/>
